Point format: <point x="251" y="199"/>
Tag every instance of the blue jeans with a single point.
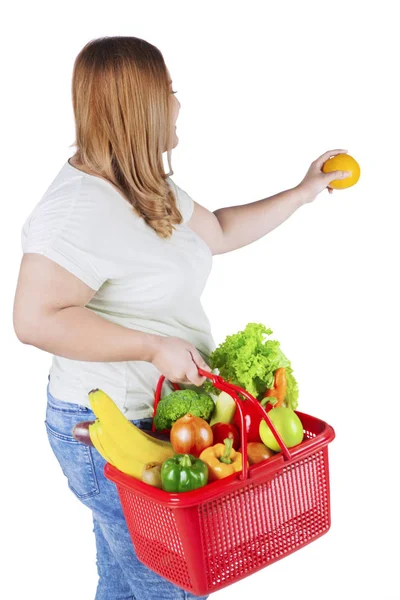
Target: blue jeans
<point x="121" y="575"/>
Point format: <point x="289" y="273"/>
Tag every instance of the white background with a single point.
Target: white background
<point x="265" y="88"/>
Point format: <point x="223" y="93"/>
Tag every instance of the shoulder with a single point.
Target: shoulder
<point x="185" y="202"/>
<point x="79" y="224"/>
<point x="76" y="206"/>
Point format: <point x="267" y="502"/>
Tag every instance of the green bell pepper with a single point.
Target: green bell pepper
<point x="183" y="473"/>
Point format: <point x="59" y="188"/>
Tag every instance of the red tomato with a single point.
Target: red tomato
<point x="222" y="431"/>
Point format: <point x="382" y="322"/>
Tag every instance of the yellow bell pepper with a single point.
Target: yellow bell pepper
<point x="222" y="460"/>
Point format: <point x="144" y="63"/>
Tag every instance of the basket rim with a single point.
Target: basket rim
<point x="257" y="473"/>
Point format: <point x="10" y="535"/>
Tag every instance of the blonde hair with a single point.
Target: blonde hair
<point x="122" y="107"/>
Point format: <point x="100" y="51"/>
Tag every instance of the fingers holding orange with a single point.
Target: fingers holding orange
<point x="342" y="162"/>
<point x="324" y="157"/>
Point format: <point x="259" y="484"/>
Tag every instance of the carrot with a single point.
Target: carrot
<point x="280" y="386"/>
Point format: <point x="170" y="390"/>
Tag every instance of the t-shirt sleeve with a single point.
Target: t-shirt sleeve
<point x="75" y="233"/>
<point x="185" y="202"/>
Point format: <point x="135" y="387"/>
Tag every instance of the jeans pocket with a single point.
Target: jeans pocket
<point x="76" y="463"/>
<point x="66" y="408"/>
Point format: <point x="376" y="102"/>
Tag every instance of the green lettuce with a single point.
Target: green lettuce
<point x="249" y="360"/>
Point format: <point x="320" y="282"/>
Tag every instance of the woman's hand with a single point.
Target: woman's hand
<point x="316" y="180"/>
<point x="178" y="360"/>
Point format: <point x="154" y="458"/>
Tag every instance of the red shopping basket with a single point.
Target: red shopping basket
<point x="207" y="539"/>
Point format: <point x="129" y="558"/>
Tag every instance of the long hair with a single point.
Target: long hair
<point x="122" y="107"/>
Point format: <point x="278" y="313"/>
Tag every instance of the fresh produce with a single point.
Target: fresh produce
<point x="81" y="432"/>
<point x="190" y="435"/>
<point x="287" y="424"/>
<point x="225" y="408"/>
<point x="183" y="473"/>
<point x="257" y="452"/>
<point x="252" y="418"/>
<point x="151" y="474"/>
<point x="225" y="430"/>
<point x="222" y="460"/>
<point x="342" y="162"/>
<point x="119" y="441"/>
<point x="115" y="453"/>
<point x="280" y="387"/>
<point x="179" y="403"/>
<point x="97" y="437"/>
<point x="249" y="361"/>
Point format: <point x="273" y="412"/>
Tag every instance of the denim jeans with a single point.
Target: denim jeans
<point x="121" y="575"/>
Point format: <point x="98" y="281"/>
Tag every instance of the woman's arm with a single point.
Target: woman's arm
<point x="242" y="225"/>
<point x="50" y="313"/>
<point x="233" y="227"/>
<point x="78" y="333"/>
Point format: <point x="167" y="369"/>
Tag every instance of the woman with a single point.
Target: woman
<point x="115" y="259"/>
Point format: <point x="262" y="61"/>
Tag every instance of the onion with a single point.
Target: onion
<point x="152" y="474"/>
<point x="257" y="452"/>
<point x="191" y="435"/>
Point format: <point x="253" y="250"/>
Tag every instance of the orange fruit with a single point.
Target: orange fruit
<point x="342" y="162"/>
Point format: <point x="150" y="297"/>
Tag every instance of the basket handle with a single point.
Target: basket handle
<point x="233" y="391"/>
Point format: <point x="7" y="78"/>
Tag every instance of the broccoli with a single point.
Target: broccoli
<point x="179" y="403"/>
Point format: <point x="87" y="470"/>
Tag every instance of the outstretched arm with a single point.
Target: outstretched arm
<point x="233" y="227"/>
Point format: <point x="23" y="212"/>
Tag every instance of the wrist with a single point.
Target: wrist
<point x="302" y="195"/>
<point x="150" y="346"/>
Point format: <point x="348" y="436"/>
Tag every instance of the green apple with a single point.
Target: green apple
<point x="287" y="424"/>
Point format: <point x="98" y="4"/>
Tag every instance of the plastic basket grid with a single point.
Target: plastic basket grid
<point x="281" y="522"/>
<point x="155" y="536"/>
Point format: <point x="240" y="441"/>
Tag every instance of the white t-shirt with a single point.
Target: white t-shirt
<point x="142" y="281"/>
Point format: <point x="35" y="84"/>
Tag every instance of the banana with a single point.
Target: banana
<point x="130" y="440"/>
<point x="94" y="437"/>
<point x="117" y="454"/>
